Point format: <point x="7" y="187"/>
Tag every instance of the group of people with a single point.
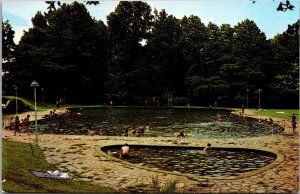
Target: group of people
<point x="53" y="113"/>
<point x="270" y="121"/>
<point x="60" y="102"/>
<point x="17" y="125"/>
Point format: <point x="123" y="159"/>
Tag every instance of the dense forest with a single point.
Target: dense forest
<point x="143" y="53"/>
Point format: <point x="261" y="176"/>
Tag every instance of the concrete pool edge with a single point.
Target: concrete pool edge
<point x="279" y="159"/>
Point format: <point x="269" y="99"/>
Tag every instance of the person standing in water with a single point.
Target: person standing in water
<point x="207" y="149"/>
<point x="124" y="151"/>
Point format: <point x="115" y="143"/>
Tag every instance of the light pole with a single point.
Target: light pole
<point x="64" y="96"/>
<point x="43" y="97"/>
<point x="16" y="88"/>
<point x="189" y="97"/>
<point x="34" y="84"/>
<point x="259" y="90"/>
<point x="247" y="97"/>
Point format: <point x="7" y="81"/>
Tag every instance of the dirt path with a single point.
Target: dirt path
<point x="80" y="156"/>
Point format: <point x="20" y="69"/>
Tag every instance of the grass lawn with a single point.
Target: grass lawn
<point x="31" y="103"/>
<point x="17" y="161"/>
<point x="278" y="113"/>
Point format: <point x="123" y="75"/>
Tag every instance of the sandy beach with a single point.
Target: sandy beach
<point x="80" y="156"/>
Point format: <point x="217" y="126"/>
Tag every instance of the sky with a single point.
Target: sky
<point x="263" y="12"/>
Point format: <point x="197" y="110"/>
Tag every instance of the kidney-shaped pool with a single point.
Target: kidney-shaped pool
<point x="221" y="162"/>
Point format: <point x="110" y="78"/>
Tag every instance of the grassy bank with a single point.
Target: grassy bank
<point x="29" y="102"/>
<point x="277" y="113"/>
<point x="17" y="163"/>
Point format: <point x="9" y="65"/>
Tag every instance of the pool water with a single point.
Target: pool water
<point x="219" y="163"/>
<point x="196" y="123"/>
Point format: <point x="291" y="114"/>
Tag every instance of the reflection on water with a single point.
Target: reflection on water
<point x="218" y="163"/>
<point x="197" y="123"/>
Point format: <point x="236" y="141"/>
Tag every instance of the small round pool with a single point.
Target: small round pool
<point x="221" y="162"/>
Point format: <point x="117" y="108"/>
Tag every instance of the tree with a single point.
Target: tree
<point x="167" y="62"/>
<point x="128" y="25"/>
<point x="282" y="6"/>
<point x="63" y="44"/>
<point x="8" y="54"/>
<point x="52" y="5"/>
<point x="250" y="53"/>
<point x="284" y="76"/>
<point x="8" y="45"/>
<point x="193" y="41"/>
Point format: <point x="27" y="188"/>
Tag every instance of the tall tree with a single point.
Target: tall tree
<point x="284" y="74"/>
<point x="60" y="52"/>
<point x="193" y="41"/>
<point x="8" y="55"/>
<point x="167" y="62"/>
<point x="128" y="25"/>
<point x="250" y="52"/>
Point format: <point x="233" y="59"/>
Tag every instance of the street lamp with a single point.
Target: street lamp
<point x="64" y="96"/>
<point x="43" y="97"/>
<point x="259" y="90"/>
<point x="16" y="88"/>
<point x="34" y="84"/>
<point x="247" y="96"/>
<point x="189" y="97"/>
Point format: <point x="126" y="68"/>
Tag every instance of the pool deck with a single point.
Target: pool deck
<point x="80" y="156"/>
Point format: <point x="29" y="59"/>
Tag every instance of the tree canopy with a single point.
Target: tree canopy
<point x="144" y="55"/>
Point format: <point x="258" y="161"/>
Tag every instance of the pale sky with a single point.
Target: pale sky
<point x="263" y="12"/>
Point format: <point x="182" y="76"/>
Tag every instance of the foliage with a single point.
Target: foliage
<point x="52" y="7"/>
<point x="149" y="57"/>
<point x="8" y="50"/>
<point x="28" y="157"/>
<point x="170" y="187"/>
<point x="65" y="50"/>
<point x="282" y="6"/>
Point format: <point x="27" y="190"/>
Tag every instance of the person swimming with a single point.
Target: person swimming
<point x="181" y="134"/>
<point x="207" y="149"/>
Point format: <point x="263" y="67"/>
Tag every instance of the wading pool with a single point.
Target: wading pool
<point x="221" y="162"/>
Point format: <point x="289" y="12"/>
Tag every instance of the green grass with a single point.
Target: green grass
<point x="30" y="102"/>
<point x="17" y="163"/>
<point x="273" y="113"/>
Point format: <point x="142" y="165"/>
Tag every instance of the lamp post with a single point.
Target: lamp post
<point x="43" y="97"/>
<point x="247" y="97"/>
<point x="189" y="97"/>
<point x="16" y="88"/>
<point x="34" y="84"/>
<point x="259" y="90"/>
<point x="64" y="96"/>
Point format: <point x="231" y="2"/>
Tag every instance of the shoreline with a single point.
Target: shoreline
<point x="79" y="155"/>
